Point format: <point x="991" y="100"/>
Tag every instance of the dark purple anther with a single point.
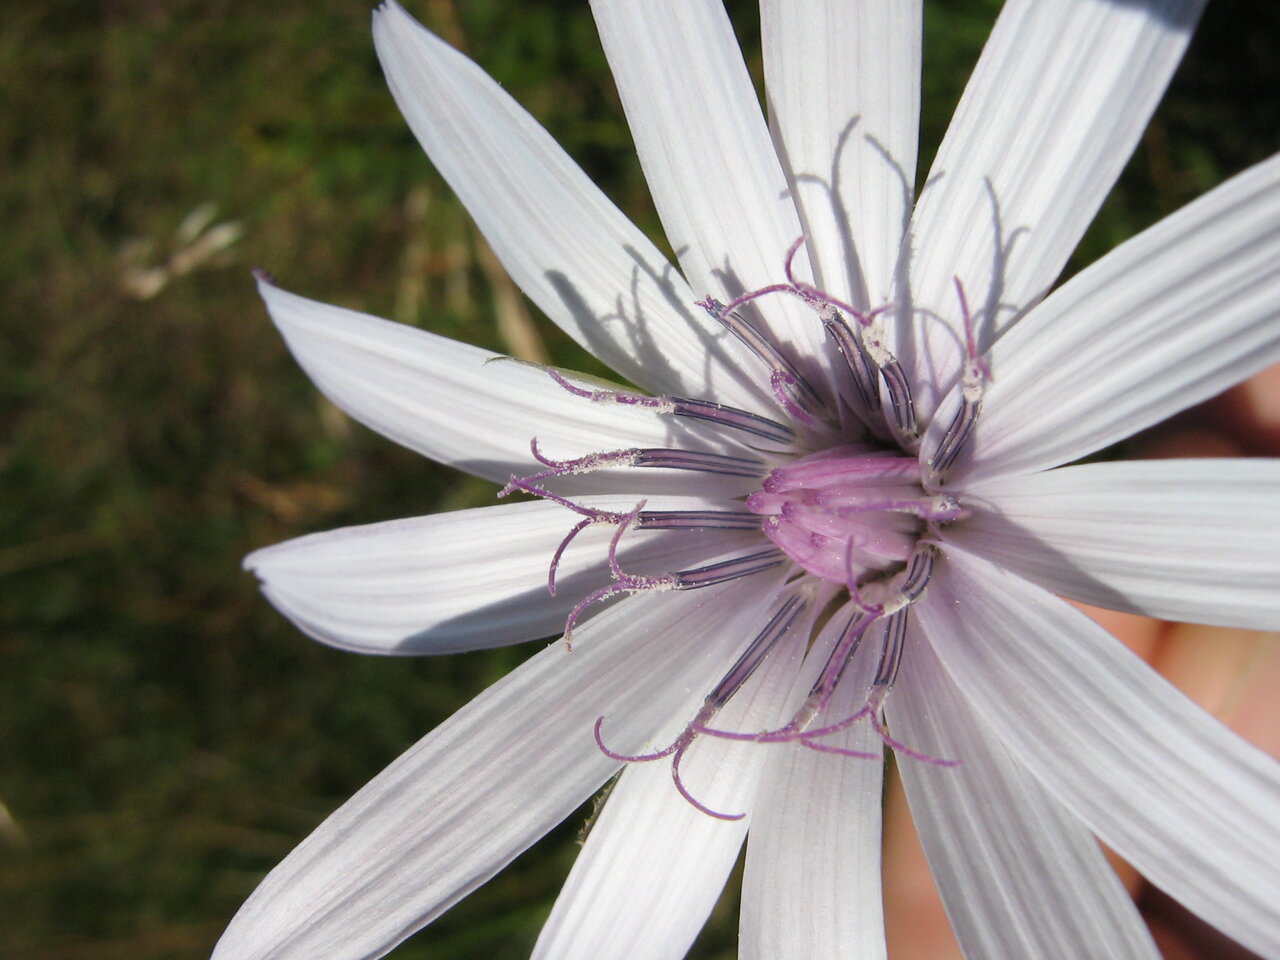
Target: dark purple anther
<point x="726" y="570"/>
<point x="733" y="419"/>
<point x="895" y="632"/>
<point x="901" y="407"/>
<point x="730" y="418"/>
<point x="698" y="520"/>
<point x="972" y="385"/>
<point x="755" y="653"/>
<point x="779" y="624"/>
<point x="717" y="463"/>
<point x="957" y="435"/>
<point x="795" y="393"/>
<point x="855" y="357"/>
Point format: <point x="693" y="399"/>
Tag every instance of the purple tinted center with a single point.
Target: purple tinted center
<point x="845" y="512"/>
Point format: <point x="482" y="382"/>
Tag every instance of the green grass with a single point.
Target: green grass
<point x="166" y="737"/>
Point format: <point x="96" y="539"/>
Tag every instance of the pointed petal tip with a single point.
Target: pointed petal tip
<point x="390" y="18"/>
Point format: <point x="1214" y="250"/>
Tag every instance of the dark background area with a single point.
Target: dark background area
<point x="165" y="737"/>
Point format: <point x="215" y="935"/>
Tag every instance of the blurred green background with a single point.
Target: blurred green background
<point x="165" y="738"/>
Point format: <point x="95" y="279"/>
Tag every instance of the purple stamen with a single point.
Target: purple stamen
<point x="972" y="387"/>
<point x="862" y="358"/>
<point x="661" y="404"/>
<point x="851" y="584"/>
<point x="676" y="750"/>
<point x="718" y="463"/>
<point x="684" y="791"/>
<point x="816" y="733"/>
<point x="653" y="457"/>
<point x="597" y="516"/>
<point x="901" y="406"/>
<point x="578" y="465"/>
<point x="698" y="520"/>
<point x="783" y="385"/>
<point x="849" y="344"/>
<point x="837" y="662"/>
<point x="692" y="579"/>
<point x="727" y="570"/>
<point x="842" y="751"/>
<point x="854" y="515"/>
<point x="627" y="520"/>
<point x="777" y="627"/>
<point x="902" y="748"/>
<point x="631" y="757"/>
<point x="957" y="435"/>
<point x="745" y="298"/>
<point x="793" y="392"/>
<point x="555" y="557"/>
<point x="641" y="519"/>
<point x="625" y="582"/>
<point x="811" y="294"/>
<point x="731" y="418"/>
<point x="819" y="693"/>
<point x="755" y="653"/>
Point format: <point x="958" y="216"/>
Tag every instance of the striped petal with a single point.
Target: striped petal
<point x="843" y="87"/>
<point x="453" y="403"/>
<point x="1021" y="878"/>
<point x="1049" y="118"/>
<point x="1186" y="540"/>
<point x="707" y="155"/>
<point x="474" y="793"/>
<point x="464" y="580"/>
<point x="1174" y="316"/>
<point x="567" y="246"/>
<point x="1192" y="806"/>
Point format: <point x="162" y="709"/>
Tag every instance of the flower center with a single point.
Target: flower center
<point x="848" y="513"/>
<point x="857" y="514"/>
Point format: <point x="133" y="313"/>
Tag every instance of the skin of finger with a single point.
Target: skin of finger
<point x="1144" y="636"/>
<point x="1251" y="413"/>
<point x="1232" y="673"/>
<point x="916" y="926"/>
<point x="1244" y="421"/>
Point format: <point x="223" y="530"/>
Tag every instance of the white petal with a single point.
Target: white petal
<point x="464" y="580"/>
<point x="843" y="86"/>
<point x="653" y="865"/>
<point x="1190" y="540"/>
<point x="707" y="155"/>
<point x="1172" y="317"/>
<point x="1053" y="110"/>
<point x="570" y="250"/>
<point x="1020" y="877"/>
<point x="811" y="887"/>
<point x="475" y="792"/>
<point x="1192" y="806"/>
<point x="453" y="403"/>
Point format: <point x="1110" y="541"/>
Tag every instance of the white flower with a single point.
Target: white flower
<point x="932" y="523"/>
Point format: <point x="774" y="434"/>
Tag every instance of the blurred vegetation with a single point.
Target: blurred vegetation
<point x="167" y="738"/>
